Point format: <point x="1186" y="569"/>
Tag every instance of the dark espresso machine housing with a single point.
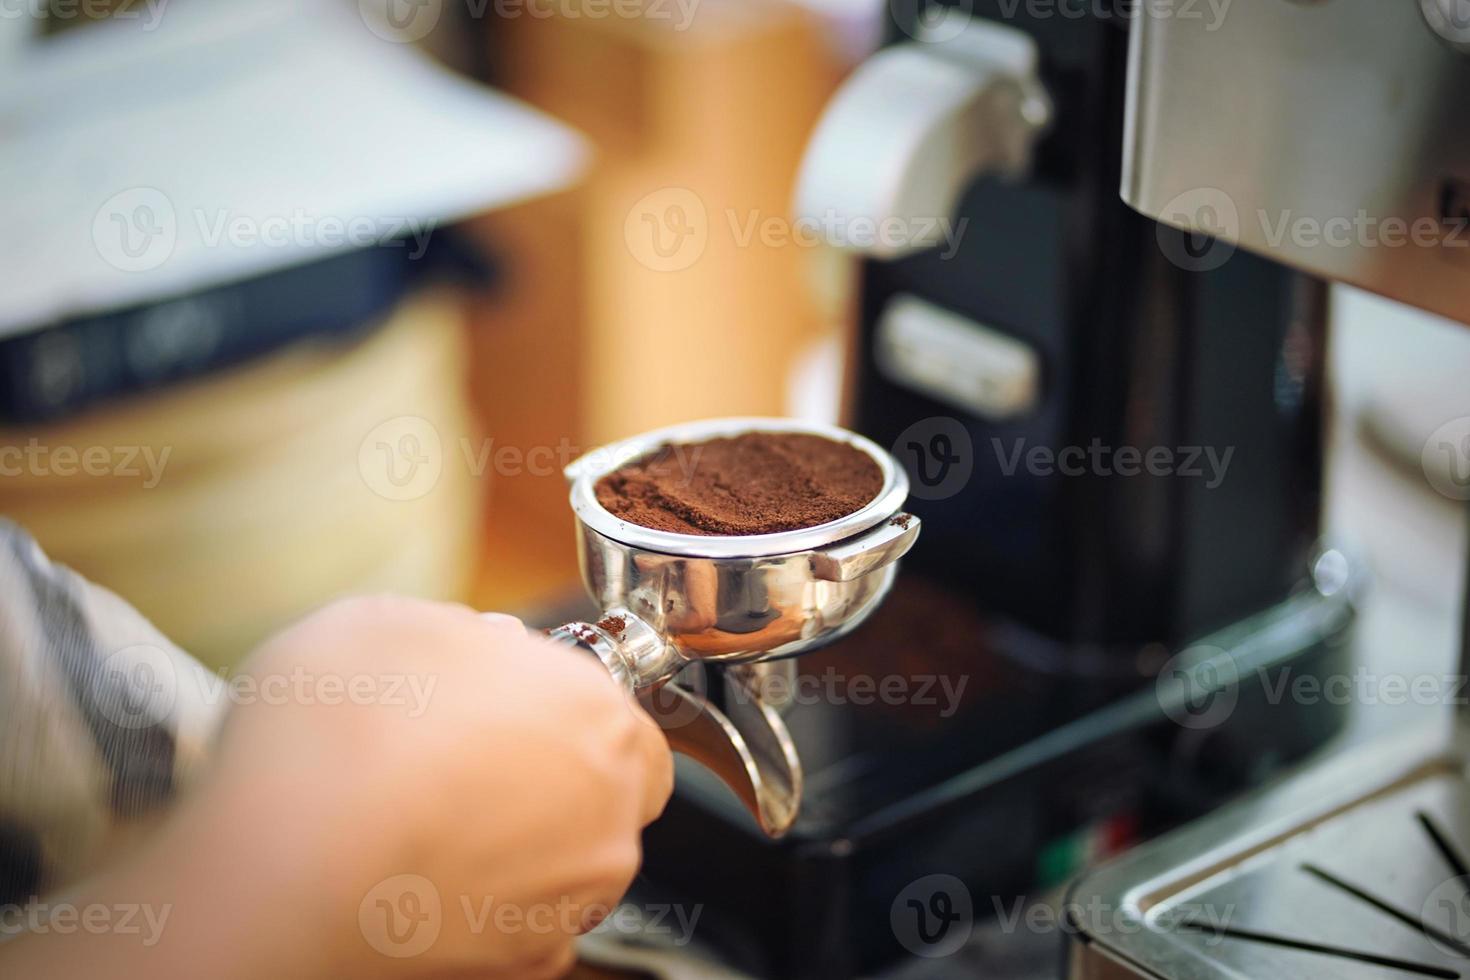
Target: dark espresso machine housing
<point x="1114" y="439"/>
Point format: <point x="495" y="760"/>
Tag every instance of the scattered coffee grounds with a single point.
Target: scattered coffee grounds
<point x="756" y="483"/>
<point x="613" y="624"/>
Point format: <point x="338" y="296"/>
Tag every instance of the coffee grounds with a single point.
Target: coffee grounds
<point x="755" y="483"/>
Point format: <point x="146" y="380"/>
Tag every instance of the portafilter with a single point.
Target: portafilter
<point x="673" y="600"/>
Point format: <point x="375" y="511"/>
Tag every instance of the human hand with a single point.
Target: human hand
<point x="387" y="837"/>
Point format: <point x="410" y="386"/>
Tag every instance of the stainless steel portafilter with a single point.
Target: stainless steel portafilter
<point x="671" y="600"/>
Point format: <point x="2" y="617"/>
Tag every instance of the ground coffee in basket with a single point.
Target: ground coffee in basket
<point x="755" y="483"/>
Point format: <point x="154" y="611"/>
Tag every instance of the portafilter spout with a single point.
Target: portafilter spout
<point x="671" y="600"/>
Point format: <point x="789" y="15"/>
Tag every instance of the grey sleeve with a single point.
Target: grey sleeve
<point x="102" y="719"/>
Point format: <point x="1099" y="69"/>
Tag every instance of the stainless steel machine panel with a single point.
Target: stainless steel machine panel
<point x="1354" y="871"/>
<point x="1329" y="135"/>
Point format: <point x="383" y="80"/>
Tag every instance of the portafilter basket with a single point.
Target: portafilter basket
<point x="671" y="600"/>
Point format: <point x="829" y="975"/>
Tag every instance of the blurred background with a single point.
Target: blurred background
<point x="304" y="299"/>
<point x="313" y="298"/>
<point x="310" y="298"/>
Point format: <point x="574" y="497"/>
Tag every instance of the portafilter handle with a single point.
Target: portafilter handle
<point x="746" y="745"/>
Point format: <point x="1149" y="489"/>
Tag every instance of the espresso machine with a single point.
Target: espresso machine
<point x="1355" y="867"/>
<point x="1110" y="409"/>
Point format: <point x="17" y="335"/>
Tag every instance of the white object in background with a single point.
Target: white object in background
<point x="955" y="360"/>
<point x="914" y="125"/>
<point x="145" y="159"/>
<point x="814" y="386"/>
